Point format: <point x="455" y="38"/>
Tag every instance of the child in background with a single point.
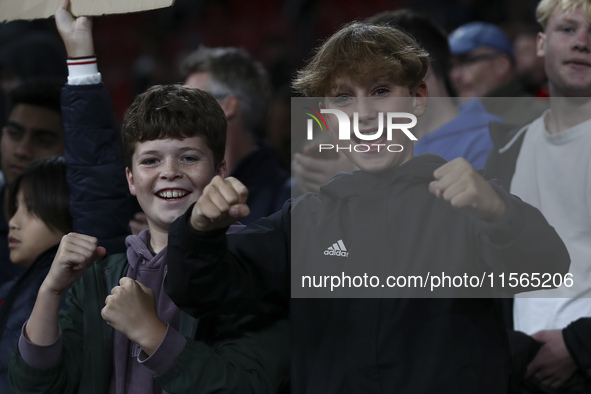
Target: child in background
<point x="40" y="217"/>
<point x="33" y="131"/>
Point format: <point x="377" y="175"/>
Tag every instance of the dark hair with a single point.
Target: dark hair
<point x="45" y="192"/>
<point x="34" y="54"/>
<point x="40" y="92"/>
<point x="428" y="35"/>
<point x="361" y="50"/>
<point x="234" y="71"/>
<point x="174" y="111"/>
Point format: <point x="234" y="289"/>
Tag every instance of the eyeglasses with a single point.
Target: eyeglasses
<point x="465" y="61"/>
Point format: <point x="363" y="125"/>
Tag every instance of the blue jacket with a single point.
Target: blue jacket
<point x="18" y="298"/>
<point x="100" y="203"/>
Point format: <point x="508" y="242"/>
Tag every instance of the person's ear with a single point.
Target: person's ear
<point x="222" y="170"/>
<point x="230" y="105"/>
<point x="541" y="45"/>
<point x="419" y="102"/>
<point x="130" y="181"/>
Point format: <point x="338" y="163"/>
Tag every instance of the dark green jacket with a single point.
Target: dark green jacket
<point x="217" y="357"/>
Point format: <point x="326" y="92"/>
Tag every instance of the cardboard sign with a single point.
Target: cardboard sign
<point x="36" y="9"/>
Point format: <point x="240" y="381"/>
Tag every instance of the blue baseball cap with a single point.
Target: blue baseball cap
<point x="476" y="34"/>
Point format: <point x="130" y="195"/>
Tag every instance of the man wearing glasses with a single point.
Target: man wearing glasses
<point x="483" y="66"/>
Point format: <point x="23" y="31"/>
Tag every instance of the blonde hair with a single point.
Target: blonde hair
<point x="546" y="7"/>
<point x="362" y="51"/>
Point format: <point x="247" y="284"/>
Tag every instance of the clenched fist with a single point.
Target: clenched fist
<point x="76" y="253"/>
<point x="460" y="184"/>
<point x="222" y="203"/>
<point x="131" y="310"/>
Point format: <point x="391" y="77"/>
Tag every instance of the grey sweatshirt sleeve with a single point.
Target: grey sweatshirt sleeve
<point x="37" y="356"/>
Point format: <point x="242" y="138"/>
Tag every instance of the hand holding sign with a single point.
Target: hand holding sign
<point x="76" y="33"/>
<point x="37" y="9"/>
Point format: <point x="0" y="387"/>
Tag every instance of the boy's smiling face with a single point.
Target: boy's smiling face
<point x="168" y="175"/>
<point x="566" y="48"/>
<point x="369" y="99"/>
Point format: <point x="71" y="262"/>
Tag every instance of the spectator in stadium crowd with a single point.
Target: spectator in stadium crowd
<point x="528" y="65"/>
<point x="242" y="87"/>
<point x="547" y="164"/>
<point x="483" y="66"/>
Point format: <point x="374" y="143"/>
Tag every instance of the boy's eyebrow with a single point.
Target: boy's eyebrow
<point x="183" y="149"/>
<point x="374" y="81"/>
<point x="12" y="123"/>
<point x="568" y="19"/>
<point x="186" y="148"/>
<point x="383" y="80"/>
<point x="35" y="130"/>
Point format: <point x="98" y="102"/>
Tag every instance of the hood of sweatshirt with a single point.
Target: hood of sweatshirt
<point x="140" y="255"/>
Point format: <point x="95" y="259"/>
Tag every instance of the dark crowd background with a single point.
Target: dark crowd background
<point x="138" y="50"/>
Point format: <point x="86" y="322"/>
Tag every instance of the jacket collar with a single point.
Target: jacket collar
<point x="417" y="170"/>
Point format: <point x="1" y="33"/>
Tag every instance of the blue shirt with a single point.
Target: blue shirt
<point x="465" y="136"/>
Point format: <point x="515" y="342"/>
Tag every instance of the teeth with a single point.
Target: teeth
<point x="172" y="194"/>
